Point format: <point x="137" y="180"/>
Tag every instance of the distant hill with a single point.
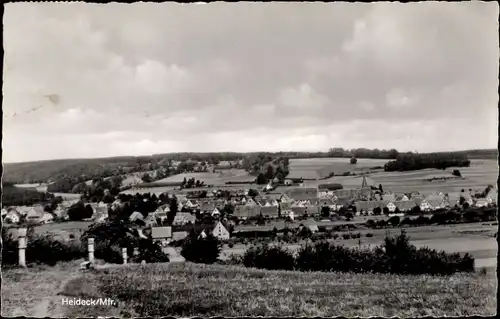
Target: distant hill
<point x="51" y="170"/>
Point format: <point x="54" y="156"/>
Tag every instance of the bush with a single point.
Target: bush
<point x="456" y="172"/>
<point x="201" y="250"/>
<point x="269" y="257"/>
<point x="394" y="221"/>
<point x="369" y="235"/>
<point x="346" y="236"/>
<point x="395" y="256"/>
<point x="231" y="245"/>
<point x="353" y="160"/>
<point x="41" y="249"/>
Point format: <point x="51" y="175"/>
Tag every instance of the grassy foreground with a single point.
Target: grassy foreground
<point x="187" y="289"/>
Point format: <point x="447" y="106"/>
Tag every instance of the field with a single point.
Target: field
<point x="477" y="176"/>
<point x="187" y="290"/>
<point x="315" y="168"/>
<point x="475" y="238"/>
<point x="217" y="178"/>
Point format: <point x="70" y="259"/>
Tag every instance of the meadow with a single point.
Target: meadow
<point x="480" y="174"/>
<point x="218" y="178"/>
<point x="315" y="168"/>
<point x="186" y="289"/>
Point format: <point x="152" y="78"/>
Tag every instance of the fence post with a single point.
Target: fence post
<point x="124" y="254"/>
<point x="91" y="250"/>
<point x="22" y="246"/>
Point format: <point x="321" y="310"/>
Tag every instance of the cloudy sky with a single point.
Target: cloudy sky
<point x="85" y="80"/>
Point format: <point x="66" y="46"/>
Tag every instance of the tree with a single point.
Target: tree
<point x="79" y="211"/>
<point x="201" y="250"/>
<point x="394" y="220"/>
<point x="386" y="211"/>
<point x="353" y="160"/>
<point x="416" y="210"/>
<point x="325" y="211"/>
<point x="377" y="211"/>
<point x="380" y="188"/>
<point x="174" y="207"/>
<point x="261" y="179"/>
<point x="456" y="172"/>
<point x="270" y="172"/>
<point x="253" y="192"/>
<point x="349" y="216"/>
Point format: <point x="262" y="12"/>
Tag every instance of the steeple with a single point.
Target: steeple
<point x="364" y="184"/>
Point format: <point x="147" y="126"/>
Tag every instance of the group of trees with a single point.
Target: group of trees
<point x="363" y="153"/>
<point x="16" y="196"/>
<point x="410" y="161"/>
<point x="192" y="183"/>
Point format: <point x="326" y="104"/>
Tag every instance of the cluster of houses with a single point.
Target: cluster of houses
<point x="37" y="215"/>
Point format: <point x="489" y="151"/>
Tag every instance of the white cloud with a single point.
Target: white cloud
<point x="169" y="77"/>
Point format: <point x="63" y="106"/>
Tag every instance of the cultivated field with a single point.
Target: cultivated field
<point x="185" y="290"/>
<point x="477" y="177"/>
<point x="217" y="178"/>
<point x="315" y="168"/>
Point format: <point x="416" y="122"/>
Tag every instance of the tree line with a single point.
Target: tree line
<point x="412" y="161"/>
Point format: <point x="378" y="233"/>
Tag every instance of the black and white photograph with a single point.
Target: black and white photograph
<point x="250" y="159"/>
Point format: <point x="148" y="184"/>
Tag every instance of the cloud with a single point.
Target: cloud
<point x="167" y="77"/>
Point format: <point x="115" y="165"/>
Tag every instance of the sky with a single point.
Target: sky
<point x="87" y="80"/>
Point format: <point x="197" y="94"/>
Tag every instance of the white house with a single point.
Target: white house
<point x="481" y="202"/>
<point x="47" y="218"/>
<point x="425" y="206"/>
<point x="4" y="212"/>
<point x="12" y="217"/>
<point x="215" y="212"/>
<point x="35" y="212"/>
<point x="135" y="216"/>
<point x="391" y="206"/>
<point x="221" y="232"/>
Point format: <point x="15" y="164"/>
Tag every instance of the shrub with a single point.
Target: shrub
<point x="201" y="250"/>
<point x="335" y="236"/>
<point x="269" y="257"/>
<point x="456" y="172"/>
<point x="369" y="235"/>
<point x="395" y="256"/>
<point x="231" y="245"/>
<point x="353" y="160"/>
<point x="394" y="221"/>
<point x="41" y="249"/>
<point x="346" y="236"/>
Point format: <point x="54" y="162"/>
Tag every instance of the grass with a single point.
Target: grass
<point x="201" y="290"/>
<point x="25" y="292"/>
<point x="217" y="178"/>
<point x="322" y="167"/>
<point x="477" y="176"/>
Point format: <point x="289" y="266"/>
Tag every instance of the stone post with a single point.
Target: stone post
<point x="124" y="254"/>
<point x="22" y="246"/>
<point x="91" y="250"/>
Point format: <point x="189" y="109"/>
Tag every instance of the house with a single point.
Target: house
<point x="150" y="220"/>
<point x="221" y="232"/>
<point x="326" y="202"/>
<point x="368" y="206"/>
<point x="389" y="197"/>
<point x="136" y="216"/>
<point x="207" y="207"/>
<point x="244" y="211"/>
<point x="425" y="205"/>
<point x="288" y="182"/>
<point x="47" y="218"/>
<point x="405" y="205"/>
<point x="35" y="212"/>
<point x="303" y="193"/>
<point x="270" y="211"/>
<point x="12" y="217"/>
<point x="4" y="212"/>
<point x="161" y="235"/>
<point x="179" y="235"/>
<point x="100" y="211"/>
<point x="402" y="197"/>
<point x="311" y="225"/>
<point x="61" y="212"/>
<point x="390" y="206"/>
<point x="184" y="218"/>
<point x="436" y="203"/>
<point x="481" y="202"/>
<point x="215" y="212"/>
